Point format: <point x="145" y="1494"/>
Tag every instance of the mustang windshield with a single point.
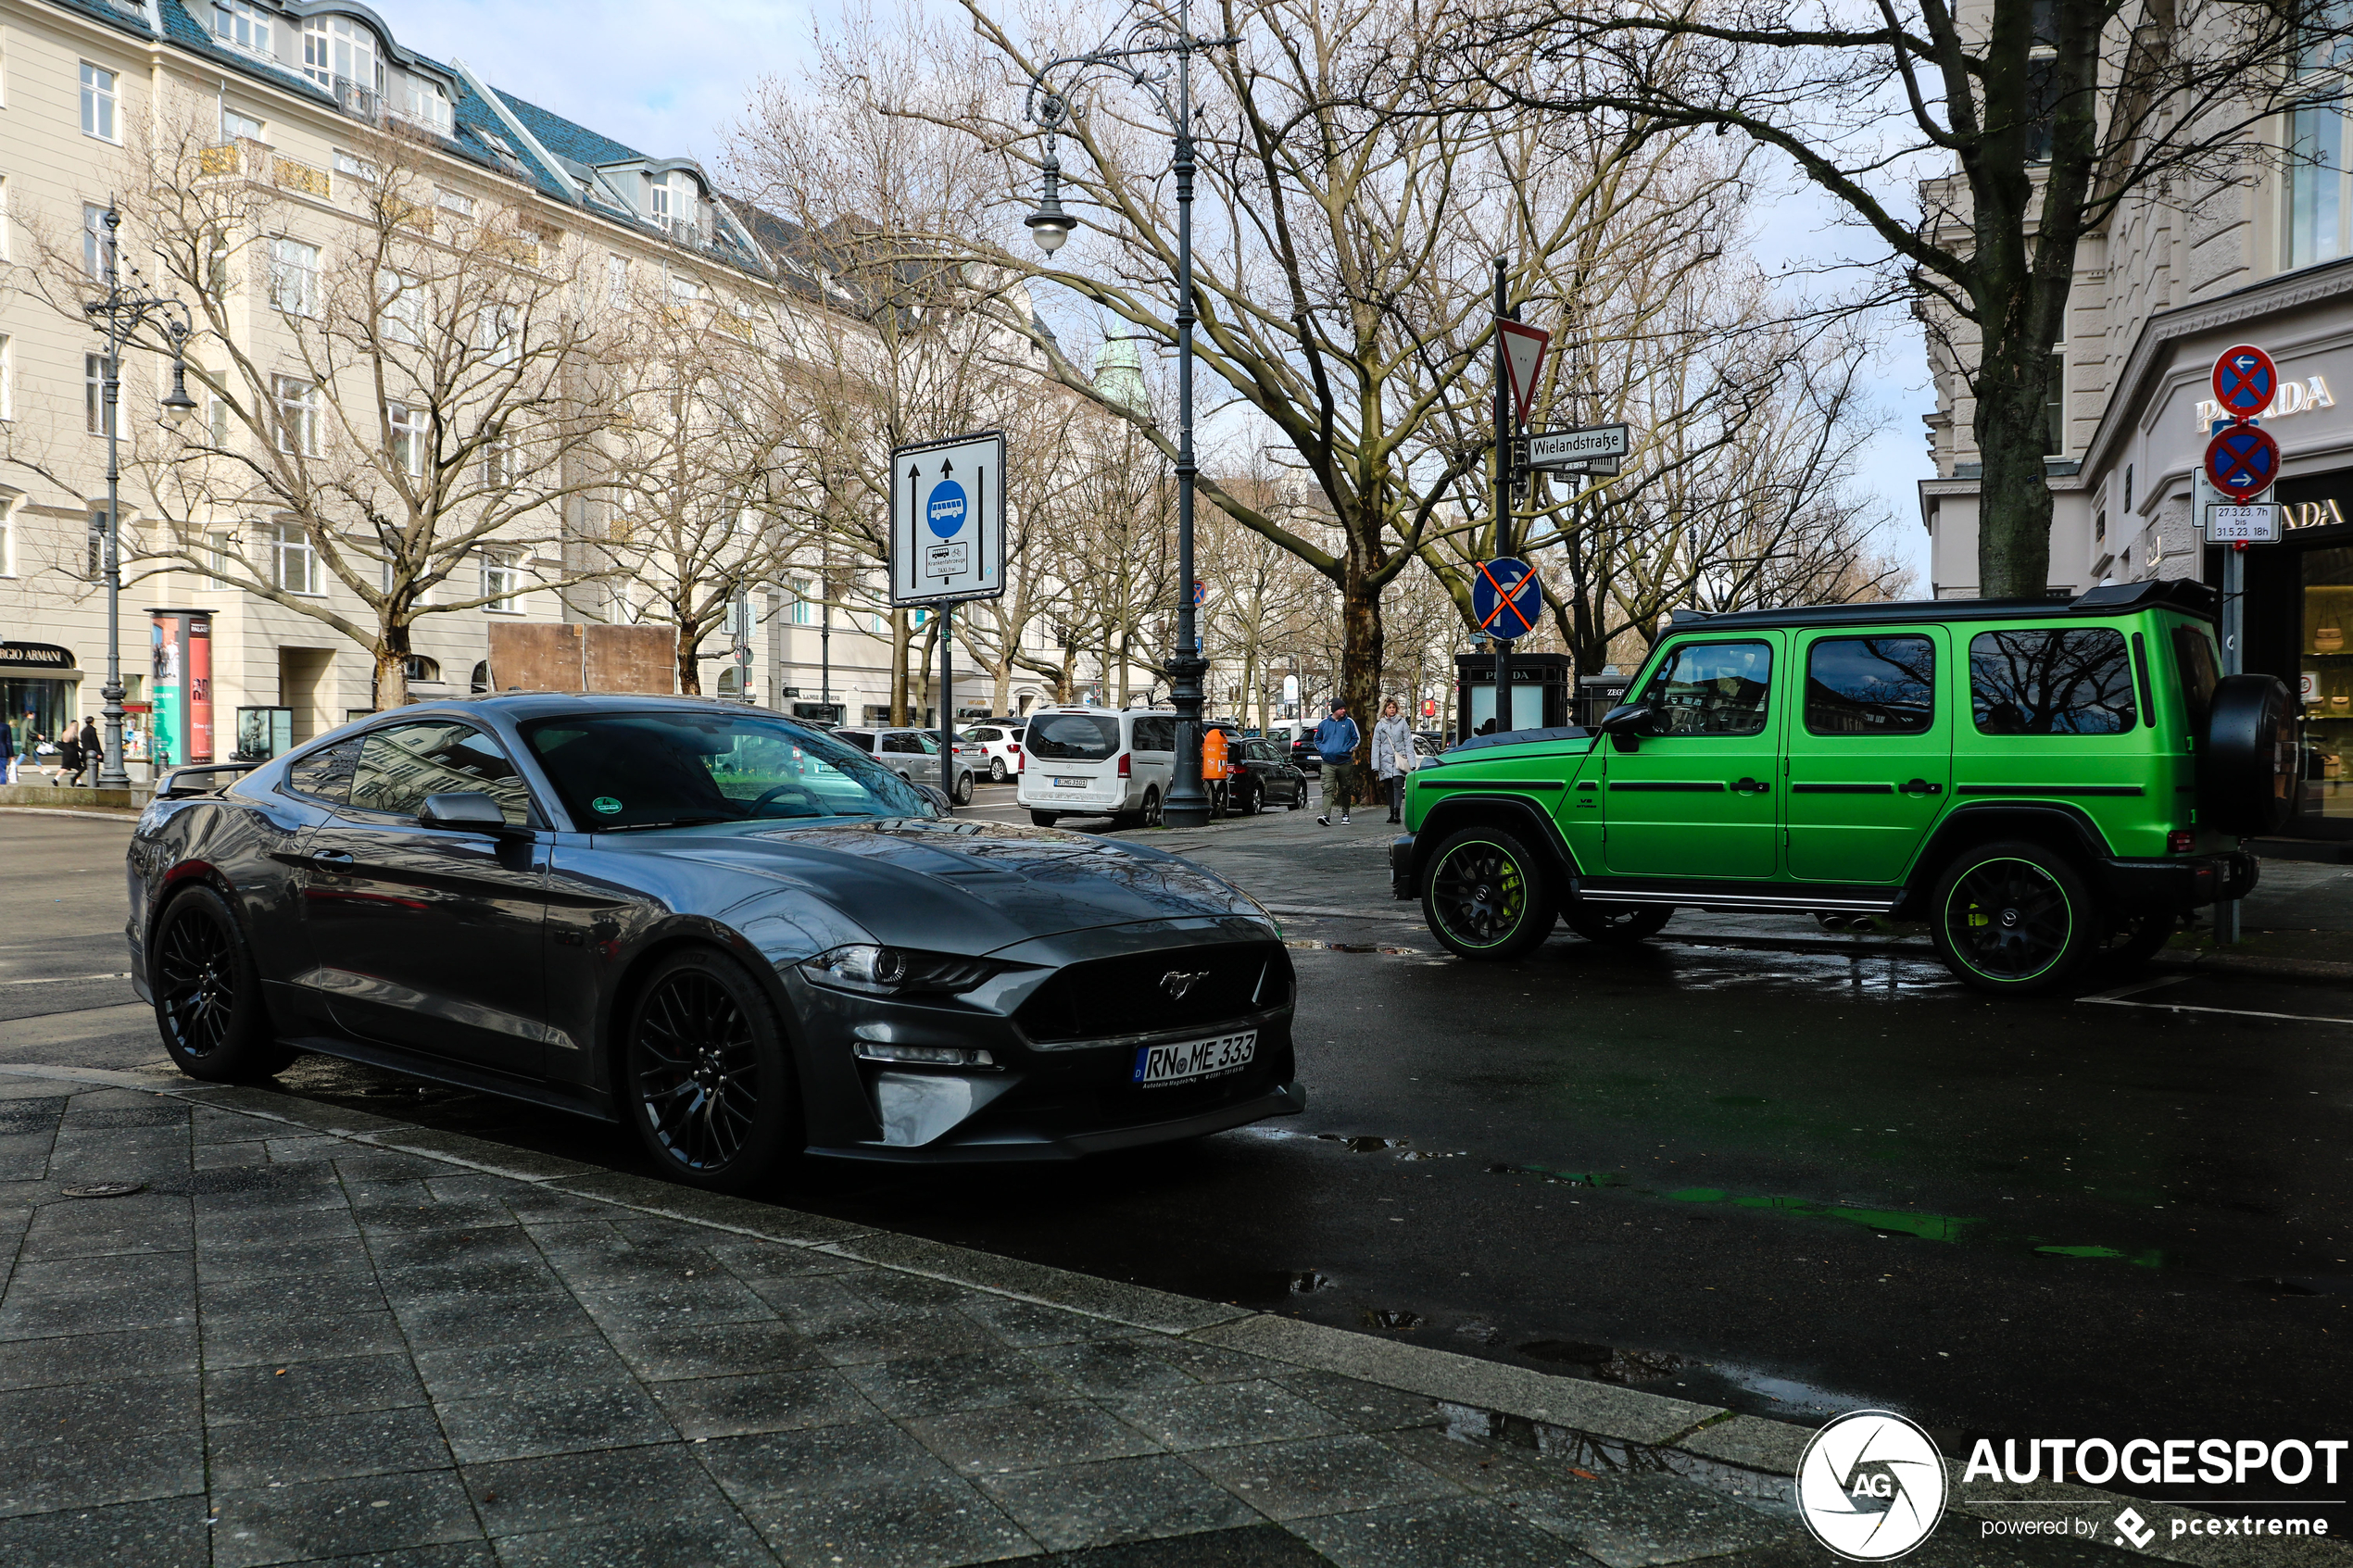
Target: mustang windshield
<point x="669" y="769"/>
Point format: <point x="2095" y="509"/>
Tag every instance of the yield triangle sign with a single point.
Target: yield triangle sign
<point x="1523" y="357"/>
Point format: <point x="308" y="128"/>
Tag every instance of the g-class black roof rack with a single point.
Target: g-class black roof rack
<point x="2179" y="592"/>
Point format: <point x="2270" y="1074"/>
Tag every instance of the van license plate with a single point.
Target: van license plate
<point x="1072" y="783"/>
<point x="1195" y="1059"/>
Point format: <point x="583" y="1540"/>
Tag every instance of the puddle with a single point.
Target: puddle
<point x="1393" y="1317"/>
<point x="1433" y="1154"/>
<point x="2153" y="1259"/>
<point x="1573" y="1178"/>
<point x="1606" y="1363"/>
<point x="1306" y="1282"/>
<point x="1362" y="1143"/>
<point x="1903" y="1221"/>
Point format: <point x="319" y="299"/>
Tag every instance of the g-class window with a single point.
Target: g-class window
<point x="1712" y="689"/>
<point x="1870" y="686"/>
<point x="2052" y="683"/>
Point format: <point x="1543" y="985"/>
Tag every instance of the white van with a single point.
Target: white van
<point x="1097" y="762"/>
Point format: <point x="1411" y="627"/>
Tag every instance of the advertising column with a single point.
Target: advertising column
<point x="180" y="680"/>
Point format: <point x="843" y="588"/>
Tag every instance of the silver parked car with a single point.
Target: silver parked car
<point x="913" y="755"/>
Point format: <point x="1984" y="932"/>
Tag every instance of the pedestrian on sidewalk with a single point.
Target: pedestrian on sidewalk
<point x="93" y="753"/>
<point x="69" y="758"/>
<point x="7" y="754"/>
<point x="1394" y="755"/>
<point x="1336" y="742"/>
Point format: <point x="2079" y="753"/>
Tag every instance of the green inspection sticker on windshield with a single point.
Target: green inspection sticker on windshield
<point x="606" y="804"/>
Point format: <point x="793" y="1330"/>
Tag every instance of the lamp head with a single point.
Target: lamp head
<point x="178" y="405"/>
<point x="1050" y="225"/>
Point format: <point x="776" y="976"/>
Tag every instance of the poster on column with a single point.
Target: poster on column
<point x="199" y="688"/>
<point x="163" y="685"/>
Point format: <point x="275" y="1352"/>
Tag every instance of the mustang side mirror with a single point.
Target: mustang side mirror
<point x="466" y="810"/>
<point x="1627" y="725"/>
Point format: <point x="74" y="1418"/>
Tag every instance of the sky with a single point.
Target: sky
<point x="670" y="79"/>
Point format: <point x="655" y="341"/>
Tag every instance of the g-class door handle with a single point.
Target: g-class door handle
<point x="1921" y="786"/>
<point x="332" y="859"/>
<point x="1745" y="787"/>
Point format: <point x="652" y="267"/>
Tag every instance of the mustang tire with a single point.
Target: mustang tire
<point x="2014" y="917"/>
<point x="1486" y="896"/>
<point x="208" y="992"/>
<point x="707" y="1081"/>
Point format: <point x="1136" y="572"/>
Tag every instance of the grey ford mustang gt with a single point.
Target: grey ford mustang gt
<point x="734" y="934"/>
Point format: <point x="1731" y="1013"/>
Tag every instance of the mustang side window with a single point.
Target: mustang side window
<point x="325" y="775"/>
<point x="2054" y="682"/>
<point x="1712" y="689"/>
<point x="1870" y="686"/>
<point x="400" y="766"/>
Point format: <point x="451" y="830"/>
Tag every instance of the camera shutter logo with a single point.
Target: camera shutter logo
<point x="1871" y="1486"/>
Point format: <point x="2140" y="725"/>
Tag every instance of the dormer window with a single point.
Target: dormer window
<point x="503" y="150"/>
<point x="339" y="53"/>
<point x="241" y="24"/>
<point x="427" y="104"/>
<point x="658" y="187"/>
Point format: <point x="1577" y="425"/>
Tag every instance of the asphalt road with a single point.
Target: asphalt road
<point x="1794" y="1183"/>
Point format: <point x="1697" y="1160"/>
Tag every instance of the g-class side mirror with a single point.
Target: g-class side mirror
<point x="1625" y="725"/>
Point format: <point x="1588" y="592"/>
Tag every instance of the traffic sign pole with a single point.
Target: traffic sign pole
<point x="947" y="702"/>
<point x="1503" y="485"/>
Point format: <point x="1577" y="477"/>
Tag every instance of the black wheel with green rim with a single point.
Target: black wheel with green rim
<point x="207" y="993"/>
<point x="1617" y="923"/>
<point x="1486" y="896"/>
<point x="2014" y="917"/>
<point x="708" y="1080"/>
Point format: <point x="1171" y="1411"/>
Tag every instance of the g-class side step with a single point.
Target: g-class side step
<point x="1740" y="898"/>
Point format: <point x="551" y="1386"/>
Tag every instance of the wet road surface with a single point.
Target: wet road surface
<point x="1794" y="1182"/>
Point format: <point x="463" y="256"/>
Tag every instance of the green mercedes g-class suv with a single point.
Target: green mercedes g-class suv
<point x="2044" y="781"/>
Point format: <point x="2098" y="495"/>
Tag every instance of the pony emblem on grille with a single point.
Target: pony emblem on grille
<point x="1177" y="982"/>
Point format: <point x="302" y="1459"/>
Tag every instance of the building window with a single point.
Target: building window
<point x="8" y="538"/>
<point x="657" y="189"/>
<point x="297" y="402"/>
<point x="617" y="281"/>
<point x="2055" y="407"/>
<point x="7" y="380"/>
<point x="95" y="566"/>
<point x="456" y="202"/>
<point x="502" y="581"/>
<point x="401" y="302"/>
<point x="220" y="549"/>
<point x="98" y="106"/>
<point x="96" y="251"/>
<point x="294" y="277"/>
<point x="3" y="218"/>
<point x="216" y="418"/>
<point x="294" y="565"/>
<point x="94" y="393"/>
<point x="684" y="291"/>
<point x="355" y="168"/>
<point x="407" y="429"/>
<point x="241" y="24"/>
<point x="238" y="126"/>
<point x="427" y="103"/>
<point x="804" y="613"/>
<point x="500" y="335"/>
<point x="336" y="49"/>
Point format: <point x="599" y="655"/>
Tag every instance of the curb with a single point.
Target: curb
<point x="1749" y="1455"/>
<point x="73" y="811"/>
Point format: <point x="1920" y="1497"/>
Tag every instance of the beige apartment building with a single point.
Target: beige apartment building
<point x="2265" y="258"/>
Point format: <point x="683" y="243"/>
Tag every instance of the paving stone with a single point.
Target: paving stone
<point x="114" y="1411"/>
<point x="219" y="1156"/>
<point x="462" y="1318"/>
<point x="340" y="1518"/>
<point x="1110" y="1368"/>
<point x="754" y="1260"/>
<point x="630" y="1269"/>
<point x="359" y="1164"/>
<point x="1246" y="1546"/>
<point x="899" y="1332"/>
<point x="814" y="1302"/>
<point x="717" y="1542"/>
<point x="906" y="1524"/>
<point x="320" y="1447"/>
<point x="1316" y="1475"/>
<point x="1220" y="1413"/>
<point x="716" y="1296"/>
<point x="717" y="1349"/>
<point x="269" y="1192"/>
<point x="1475" y="1466"/>
<point x="1207" y="1363"/>
<point x="250" y="1341"/>
<point x="1637" y="1521"/>
<point x="275" y="1260"/>
<point x="567" y="1491"/>
<point x="298" y="1151"/>
<point x="259" y="1226"/>
<point x="821" y="1458"/>
<point x="165" y="1533"/>
<point x="395" y="1219"/>
<point x="935" y="1385"/>
<point x="471" y="1277"/>
<point x="886" y="1288"/>
<point x="1467" y="1533"/>
<point x="97" y="1358"/>
<point x="1367" y="1407"/>
<point x="118" y="1271"/>
<point x="552" y="1421"/>
<point x="71" y="1474"/>
<point x="293" y="1295"/>
<point x="336" y="1387"/>
<point x="1119" y="1499"/>
<point x="527" y="1367"/>
<point x="1005" y="1439"/>
<point x="149" y="1306"/>
<point x="1026" y="1322"/>
<point x="774" y="1402"/>
<point x="434" y="1249"/>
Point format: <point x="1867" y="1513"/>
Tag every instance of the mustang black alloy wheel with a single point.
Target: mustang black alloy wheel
<point x="2013" y="917"/>
<point x="1486" y="896"/>
<point x="208" y="994"/>
<point x="707" y="1073"/>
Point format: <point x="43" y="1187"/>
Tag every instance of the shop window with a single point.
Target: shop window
<point x="2326" y="686"/>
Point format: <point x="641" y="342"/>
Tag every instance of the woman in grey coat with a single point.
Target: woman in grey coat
<point x="1394" y="755"/>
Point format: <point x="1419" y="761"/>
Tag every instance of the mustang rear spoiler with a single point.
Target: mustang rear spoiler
<point x="172" y="790"/>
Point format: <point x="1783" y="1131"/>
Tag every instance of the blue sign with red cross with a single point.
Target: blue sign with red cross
<point x="2242" y="461"/>
<point x="1506" y="598"/>
<point x="2245" y="380"/>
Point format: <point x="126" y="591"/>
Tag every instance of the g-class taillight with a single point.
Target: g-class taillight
<point x="2180" y="841"/>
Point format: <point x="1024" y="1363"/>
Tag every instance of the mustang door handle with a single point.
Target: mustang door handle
<point x="1745" y="787"/>
<point x="1921" y="786"/>
<point x="332" y="859"/>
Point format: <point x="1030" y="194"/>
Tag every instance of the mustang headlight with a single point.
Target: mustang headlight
<point x="896" y="971"/>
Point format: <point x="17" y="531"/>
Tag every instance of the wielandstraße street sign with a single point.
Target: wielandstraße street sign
<point x="948" y="520"/>
<point x="1589" y="447"/>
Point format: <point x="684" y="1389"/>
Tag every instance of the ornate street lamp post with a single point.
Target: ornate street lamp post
<point x="119" y="313"/>
<point x="1187" y="803"/>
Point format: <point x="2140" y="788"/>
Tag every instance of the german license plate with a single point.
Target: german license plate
<point x="1194" y="1058"/>
<point x="1072" y="783"/>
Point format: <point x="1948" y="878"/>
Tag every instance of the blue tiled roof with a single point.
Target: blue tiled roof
<point x="184" y="29"/>
<point x="563" y="138"/>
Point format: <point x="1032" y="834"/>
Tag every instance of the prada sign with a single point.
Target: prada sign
<point x="2311" y="514"/>
<point x="2315" y="507"/>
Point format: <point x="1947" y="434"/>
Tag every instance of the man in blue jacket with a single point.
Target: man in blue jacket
<point x="1336" y="740"/>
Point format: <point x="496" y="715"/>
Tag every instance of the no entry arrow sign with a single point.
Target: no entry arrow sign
<point x="1506" y="598"/>
<point x="2245" y="380"/>
<point x="2242" y="461"/>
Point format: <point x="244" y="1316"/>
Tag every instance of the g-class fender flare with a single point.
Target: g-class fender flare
<point x="1515" y="813"/>
<point x="2065" y="828"/>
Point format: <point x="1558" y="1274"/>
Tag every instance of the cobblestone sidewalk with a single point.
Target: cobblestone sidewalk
<point x="314" y="1335"/>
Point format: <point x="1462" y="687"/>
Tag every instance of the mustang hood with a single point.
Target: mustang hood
<point x="973" y="886"/>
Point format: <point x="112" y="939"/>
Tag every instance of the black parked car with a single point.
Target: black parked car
<point x="1269" y="778"/>
<point x="731" y="931"/>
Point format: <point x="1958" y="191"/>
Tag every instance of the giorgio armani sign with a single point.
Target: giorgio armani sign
<point x="37" y="656"/>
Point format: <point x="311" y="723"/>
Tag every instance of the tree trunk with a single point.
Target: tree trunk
<point x="390" y="687"/>
<point x="689" y="658"/>
<point x="1360" y="655"/>
<point x="899" y="638"/>
<point x="2014" y="500"/>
